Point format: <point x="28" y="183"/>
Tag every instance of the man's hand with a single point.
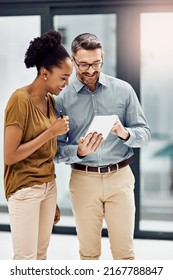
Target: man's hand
<point x="89" y="144"/>
<point x="120" y="130"/>
<point x="57" y="215"/>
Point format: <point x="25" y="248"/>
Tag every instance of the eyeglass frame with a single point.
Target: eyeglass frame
<point x="88" y="64"/>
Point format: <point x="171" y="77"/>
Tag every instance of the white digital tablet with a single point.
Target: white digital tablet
<point x="102" y="124"/>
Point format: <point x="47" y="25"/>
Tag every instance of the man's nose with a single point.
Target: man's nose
<point x="90" y="69"/>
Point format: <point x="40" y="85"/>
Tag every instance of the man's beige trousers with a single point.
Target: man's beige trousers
<point x="111" y="196"/>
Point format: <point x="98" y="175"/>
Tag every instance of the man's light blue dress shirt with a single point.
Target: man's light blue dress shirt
<point x="112" y="96"/>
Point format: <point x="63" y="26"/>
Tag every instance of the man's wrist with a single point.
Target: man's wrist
<point x="126" y="137"/>
<point x="80" y="156"/>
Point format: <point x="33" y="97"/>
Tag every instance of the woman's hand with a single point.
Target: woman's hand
<point x="57" y="215"/>
<point x="60" y="126"/>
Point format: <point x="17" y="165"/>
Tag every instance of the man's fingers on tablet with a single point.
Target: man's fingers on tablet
<point x="93" y="139"/>
<point x="87" y="139"/>
<point x="97" y="142"/>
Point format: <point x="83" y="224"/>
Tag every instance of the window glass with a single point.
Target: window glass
<point x="15" y="32"/>
<point x="157" y="99"/>
<point x="103" y="26"/>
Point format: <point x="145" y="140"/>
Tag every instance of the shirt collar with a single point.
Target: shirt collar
<point x="102" y="80"/>
<point x="78" y="85"/>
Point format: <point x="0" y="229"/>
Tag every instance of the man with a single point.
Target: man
<point x="101" y="183"/>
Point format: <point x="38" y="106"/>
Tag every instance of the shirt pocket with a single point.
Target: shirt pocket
<point x="116" y="110"/>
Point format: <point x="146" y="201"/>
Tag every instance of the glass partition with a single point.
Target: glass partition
<point x="157" y="98"/>
<point x="102" y="25"/>
<point x="15" y="32"/>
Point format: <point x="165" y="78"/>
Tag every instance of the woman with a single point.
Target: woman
<point x="30" y="146"/>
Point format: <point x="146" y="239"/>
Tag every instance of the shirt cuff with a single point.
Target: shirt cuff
<point x="72" y="154"/>
<point x="131" y="138"/>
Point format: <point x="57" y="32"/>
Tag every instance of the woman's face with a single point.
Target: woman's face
<point x="58" y="78"/>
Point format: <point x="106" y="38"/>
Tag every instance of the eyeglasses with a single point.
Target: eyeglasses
<point x="86" y="66"/>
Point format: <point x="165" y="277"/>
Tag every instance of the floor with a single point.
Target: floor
<point x="65" y="247"/>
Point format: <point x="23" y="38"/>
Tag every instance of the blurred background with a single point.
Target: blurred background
<point x="137" y="38"/>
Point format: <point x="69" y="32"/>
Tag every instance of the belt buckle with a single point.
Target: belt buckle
<point x="99" y="169"/>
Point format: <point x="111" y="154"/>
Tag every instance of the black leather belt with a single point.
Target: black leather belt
<point x="103" y="169"/>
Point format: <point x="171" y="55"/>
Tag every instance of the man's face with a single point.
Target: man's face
<point x="88" y="65"/>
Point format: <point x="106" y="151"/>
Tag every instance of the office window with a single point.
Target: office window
<point x="15" y="32"/>
<point x="103" y="26"/>
<point x="157" y="99"/>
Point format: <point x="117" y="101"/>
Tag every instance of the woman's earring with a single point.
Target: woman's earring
<point x="45" y="78"/>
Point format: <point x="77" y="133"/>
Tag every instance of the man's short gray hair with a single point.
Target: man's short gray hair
<point x="86" y="41"/>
